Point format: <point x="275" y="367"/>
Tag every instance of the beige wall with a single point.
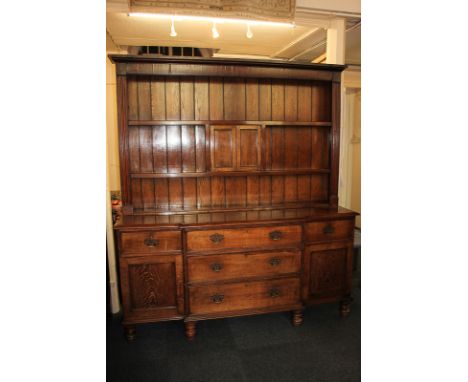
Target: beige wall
<point x="112" y="131"/>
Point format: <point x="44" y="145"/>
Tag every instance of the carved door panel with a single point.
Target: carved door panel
<point x="248" y="148"/>
<point x="328" y="271"/>
<point x="223" y="148"/>
<point x="152" y="287"/>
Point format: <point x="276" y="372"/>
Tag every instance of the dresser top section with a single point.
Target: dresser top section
<point x="153" y="59"/>
<point x="263" y="216"/>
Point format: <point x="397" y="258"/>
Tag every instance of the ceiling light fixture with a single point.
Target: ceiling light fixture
<point x="210" y="19"/>
<point x="249" y="33"/>
<point x="173" y="32"/>
<point x="215" y="31"/>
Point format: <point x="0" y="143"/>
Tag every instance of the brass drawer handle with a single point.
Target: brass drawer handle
<point x="217" y="298"/>
<point x="276" y="235"/>
<point x="150" y="242"/>
<point x="274" y="292"/>
<point x="329" y="229"/>
<point x="216" y="267"/>
<point x="274" y="261"/>
<point x="217" y="238"/>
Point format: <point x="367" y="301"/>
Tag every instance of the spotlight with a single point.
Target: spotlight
<point x="173" y="32"/>
<point x="249" y="33"/>
<point x="215" y="31"/>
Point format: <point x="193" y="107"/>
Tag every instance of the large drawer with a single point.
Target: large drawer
<point x="329" y="230"/>
<point x="231" y="266"/>
<point x="243" y="238"/>
<point x="233" y="297"/>
<point x="150" y="241"/>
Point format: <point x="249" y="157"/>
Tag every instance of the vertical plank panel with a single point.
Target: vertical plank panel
<point x="319" y="188"/>
<point x="218" y="192"/>
<point x="175" y="194"/>
<point x="173" y="149"/>
<point x="187" y="109"/>
<point x="265" y="190"/>
<point x="304" y="93"/>
<point x="277" y="189"/>
<point x="161" y="190"/>
<point x="265" y="100"/>
<point x="144" y="100"/>
<point x="234" y="99"/>
<point x="290" y="188"/>
<point x="204" y="192"/>
<point x="216" y="99"/>
<point x="200" y="142"/>
<point x="159" y="149"/>
<point x="303" y="188"/>
<point x="134" y="149"/>
<point x="236" y="191"/>
<point x="277" y="148"/>
<point x="146" y="149"/>
<point x="253" y="190"/>
<point x="277" y="100"/>
<point x="172" y="99"/>
<point x="147" y="191"/>
<point x="201" y="99"/>
<point x="190" y="193"/>
<point x="158" y="99"/>
<point x="321" y="102"/>
<point x="188" y="148"/>
<point x="290" y="101"/>
<point x="320" y="148"/>
<point x="136" y="193"/>
<point x="251" y="99"/>
<point x="304" y="142"/>
<point x="132" y="100"/>
<point x="290" y="144"/>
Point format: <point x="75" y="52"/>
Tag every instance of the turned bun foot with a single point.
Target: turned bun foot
<point x="345" y="306"/>
<point x="130" y="333"/>
<point x="190" y="330"/>
<point x="297" y="317"/>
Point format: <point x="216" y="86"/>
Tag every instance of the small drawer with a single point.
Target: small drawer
<point x="257" y="237"/>
<point x="225" y="267"/>
<point x="329" y="230"/>
<point x="241" y="296"/>
<point x="150" y="241"/>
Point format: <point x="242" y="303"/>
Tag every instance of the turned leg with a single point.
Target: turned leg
<point x="345" y="306"/>
<point x="190" y="330"/>
<point x="297" y="317"/>
<point x="130" y="332"/>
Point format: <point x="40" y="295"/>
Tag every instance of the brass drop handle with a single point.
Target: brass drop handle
<point x="217" y="298"/>
<point x="328" y="229"/>
<point x="150" y="242"/>
<point x="217" y="238"/>
<point x="276" y="235"/>
<point x="274" y="292"/>
<point x="274" y="261"/>
<point x="216" y="267"/>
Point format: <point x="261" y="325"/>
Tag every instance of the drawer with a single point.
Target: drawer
<point x="243" y="238"/>
<point x="241" y="296"/>
<point x="224" y="267"/>
<point x="329" y="230"/>
<point x="150" y="241"/>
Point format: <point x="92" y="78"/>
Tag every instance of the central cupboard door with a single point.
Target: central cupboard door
<point x="235" y="148"/>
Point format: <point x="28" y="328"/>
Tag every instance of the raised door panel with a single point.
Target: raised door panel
<point x="248" y="148"/>
<point x="152" y="288"/>
<point x="223" y="141"/>
<point x="328" y="271"/>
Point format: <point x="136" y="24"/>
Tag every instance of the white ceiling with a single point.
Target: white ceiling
<point x="305" y="41"/>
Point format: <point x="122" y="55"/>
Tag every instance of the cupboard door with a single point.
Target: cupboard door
<point x="152" y="287"/>
<point x="328" y="271"/>
<point x="223" y="148"/>
<point x="248" y="148"/>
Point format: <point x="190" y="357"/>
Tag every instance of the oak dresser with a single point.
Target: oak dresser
<point x="229" y="180"/>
